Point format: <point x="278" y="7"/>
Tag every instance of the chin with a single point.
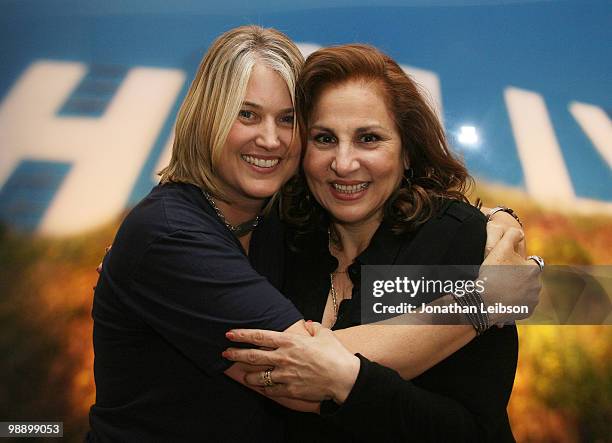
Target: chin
<point x="348" y="217"/>
<point x="262" y="192"/>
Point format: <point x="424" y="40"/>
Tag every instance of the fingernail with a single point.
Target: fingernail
<point x="308" y="321"/>
<point x="226" y="354"/>
<point x="230" y="335"/>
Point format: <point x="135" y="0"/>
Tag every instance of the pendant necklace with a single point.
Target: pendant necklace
<point x="334" y="294"/>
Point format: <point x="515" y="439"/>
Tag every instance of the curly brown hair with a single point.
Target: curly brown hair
<point x="436" y="171"/>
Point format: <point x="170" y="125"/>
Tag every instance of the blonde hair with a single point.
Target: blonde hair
<point x="215" y="97"/>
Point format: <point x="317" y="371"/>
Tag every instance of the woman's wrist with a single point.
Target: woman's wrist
<point x="475" y="312"/>
<point x="345" y="380"/>
<point x="503" y="210"/>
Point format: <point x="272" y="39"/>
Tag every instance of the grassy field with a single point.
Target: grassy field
<point x="563" y="388"/>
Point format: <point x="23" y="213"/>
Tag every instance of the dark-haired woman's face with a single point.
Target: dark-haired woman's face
<point x="353" y="160"/>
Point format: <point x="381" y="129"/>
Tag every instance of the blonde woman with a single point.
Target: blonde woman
<point x="187" y="263"/>
<point x="178" y="275"/>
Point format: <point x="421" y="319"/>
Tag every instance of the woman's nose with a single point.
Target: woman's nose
<point x="344" y="162"/>
<point x="268" y="137"/>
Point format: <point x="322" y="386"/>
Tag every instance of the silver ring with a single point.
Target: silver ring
<point x="267" y="377"/>
<point x="539" y="260"/>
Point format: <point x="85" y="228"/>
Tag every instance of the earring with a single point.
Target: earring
<point x="408" y="176"/>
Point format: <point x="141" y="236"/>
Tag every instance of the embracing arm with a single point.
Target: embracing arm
<point x="192" y="287"/>
<point x="410" y="349"/>
<point x="393" y="409"/>
<point x="424" y="345"/>
<point x="374" y="402"/>
<point x="472" y="389"/>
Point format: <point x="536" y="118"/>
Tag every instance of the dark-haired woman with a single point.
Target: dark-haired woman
<point x="379" y="186"/>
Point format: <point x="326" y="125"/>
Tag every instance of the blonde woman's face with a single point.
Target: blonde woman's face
<point x="260" y="153"/>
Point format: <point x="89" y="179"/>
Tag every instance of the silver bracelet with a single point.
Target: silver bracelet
<point x="506" y="209"/>
<point x="479" y="320"/>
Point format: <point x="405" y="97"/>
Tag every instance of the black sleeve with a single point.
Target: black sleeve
<point x="384" y="407"/>
<point x="463" y="398"/>
<point x="192" y="287"/>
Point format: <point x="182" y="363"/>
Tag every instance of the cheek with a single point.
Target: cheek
<point x="396" y="166"/>
<point x="238" y="136"/>
<point x="316" y="164"/>
<point x="397" y="175"/>
<point x="314" y="169"/>
<point x="388" y="170"/>
<point x="285" y="135"/>
<point x="309" y="164"/>
<point x="231" y="142"/>
<point x="295" y="148"/>
<point x="292" y="163"/>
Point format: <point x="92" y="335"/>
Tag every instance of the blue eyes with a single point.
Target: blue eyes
<point x="247" y="115"/>
<point x="250" y="116"/>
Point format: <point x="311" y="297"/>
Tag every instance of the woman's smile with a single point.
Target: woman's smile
<point x="349" y="191"/>
<point x="260" y="163"/>
<point x="353" y="161"/>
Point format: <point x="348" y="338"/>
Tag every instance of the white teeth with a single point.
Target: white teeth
<point x="260" y="162"/>
<point x="350" y="189"/>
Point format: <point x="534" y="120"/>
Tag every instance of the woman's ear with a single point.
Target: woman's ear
<point x="406" y="161"/>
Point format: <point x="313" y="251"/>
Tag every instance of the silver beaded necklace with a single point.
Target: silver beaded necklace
<point x="238" y="230"/>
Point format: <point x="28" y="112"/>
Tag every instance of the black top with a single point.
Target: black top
<point x="173" y="283"/>
<point x="463" y="398"/>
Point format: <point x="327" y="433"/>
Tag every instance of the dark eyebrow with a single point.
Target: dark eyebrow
<point x="369" y="128"/>
<point x="358" y="130"/>
<point x="256" y="106"/>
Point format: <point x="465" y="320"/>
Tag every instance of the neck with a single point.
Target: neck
<point x="353" y="238"/>
<point x="237" y="213"/>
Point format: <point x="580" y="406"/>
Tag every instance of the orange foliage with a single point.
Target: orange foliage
<point x="563" y="384"/>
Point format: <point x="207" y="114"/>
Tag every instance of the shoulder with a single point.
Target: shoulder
<point x="455" y="234"/>
<point x="467" y="232"/>
<point x="172" y="207"/>
<point x="453" y="217"/>
<point x="459" y="211"/>
<point x="168" y="211"/>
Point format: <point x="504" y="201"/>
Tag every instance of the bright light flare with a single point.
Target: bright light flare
<point x="468" y="136"/>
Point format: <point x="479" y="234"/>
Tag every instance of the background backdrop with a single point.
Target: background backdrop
<point x="88" y="96"/>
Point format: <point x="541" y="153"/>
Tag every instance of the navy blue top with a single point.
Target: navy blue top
<point x="173" y="283"/>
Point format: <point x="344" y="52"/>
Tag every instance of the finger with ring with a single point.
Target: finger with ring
<point x="267" y="378"/>
<point x="539" y="260"/>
